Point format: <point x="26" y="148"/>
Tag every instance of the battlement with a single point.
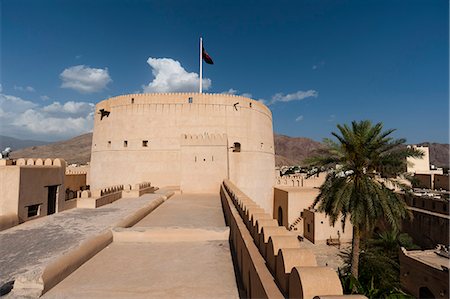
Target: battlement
<point x="203" y="139"/>
<point x="40" y="162"/>
<point x="184" y="98"/>
<point x="75" y="172"/>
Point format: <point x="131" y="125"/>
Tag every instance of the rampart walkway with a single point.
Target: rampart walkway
<point x="29" y="247"/>
<point x="179" y="250"/>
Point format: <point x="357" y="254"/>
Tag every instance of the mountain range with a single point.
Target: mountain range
<point x="288" y="150"/>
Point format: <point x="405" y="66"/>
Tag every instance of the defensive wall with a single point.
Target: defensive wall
<point x="270" y="260"/>
<point x="189" y="140"/>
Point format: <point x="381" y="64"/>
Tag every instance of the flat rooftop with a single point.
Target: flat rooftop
<point x="429" y="257"/>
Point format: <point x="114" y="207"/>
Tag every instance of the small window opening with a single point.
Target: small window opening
<point x="125" y="143"/>
<point x="132" y="100"/>
<point x="250" y="104"/>
<point x="195" y="158"/>
<point x="212" y="158"/>
<point x="237" y="147"/>
<point x="321" y="222"/>
<point x="190" y="100"/>
<point x="204" y="160"/>
<point x="308" y="228"/>
<point x="144" y="143"/>
<point x="262" y="145"/>
<point x="109" y="143"/>
<point x="33" y="210"/>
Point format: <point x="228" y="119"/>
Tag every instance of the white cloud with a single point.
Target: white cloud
<point x="27" y="120"/>
<point x="26" y="88"/>
<point x="230" y="91"/>
<point x="45" y="98"/>
<point x="296" y="96"/>
<point x="299" y="118"/>
<point x="235" y="92"/>
<point x="170" y="76"/>
<point x="332" y="118"/>
<point x="85" y="79"/>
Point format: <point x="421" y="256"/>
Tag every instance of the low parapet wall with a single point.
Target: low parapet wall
<point x="100" y="197"/>
<point x="270" y="259"/>
<point x="97" y="198"/>
<point x="138" y="190"/>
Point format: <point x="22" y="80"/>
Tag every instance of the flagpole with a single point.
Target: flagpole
<point x="201" y="62"/>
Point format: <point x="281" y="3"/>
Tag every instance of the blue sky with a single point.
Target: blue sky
<point x="317" y="63"/>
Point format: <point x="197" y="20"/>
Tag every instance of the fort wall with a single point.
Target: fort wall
<point x="144" y="139"/>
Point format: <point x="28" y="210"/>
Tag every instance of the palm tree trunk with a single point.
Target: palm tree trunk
<point x="355" y="252"/>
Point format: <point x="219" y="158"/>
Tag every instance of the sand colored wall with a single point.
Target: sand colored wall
<point x="293" y="200"/>
<point x="162" y="120"/>
<point x="82" y="169"/>
<point x="203" y="162"/>
<point x="419" y="165"/>
<point x="9" y="189"/>
<point x="26" y="184"/>
<point x="75" y="181"/>
<point x="320" y="228"/>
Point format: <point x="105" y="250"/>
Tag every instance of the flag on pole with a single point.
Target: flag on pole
<point x="206" y="57"/>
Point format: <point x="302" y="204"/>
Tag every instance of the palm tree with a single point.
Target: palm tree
<point x="363" y="169"/>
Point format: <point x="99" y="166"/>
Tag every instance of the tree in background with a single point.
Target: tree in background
<point x="364" y="167"/>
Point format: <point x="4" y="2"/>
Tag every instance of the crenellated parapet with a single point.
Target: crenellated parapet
<point x="99" y="197"/>
<point x="40" y="162"/>
<point x="272" y="262"/>
<point x="75" y="172"/>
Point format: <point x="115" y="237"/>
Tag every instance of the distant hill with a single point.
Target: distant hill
<point x="293" y="150"/>
<point x="288" y="150"/>
<point x="15" y="144"/>
<point x="75" y="151"/>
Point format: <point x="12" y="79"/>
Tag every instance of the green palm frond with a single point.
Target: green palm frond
<point x="362" y="151"/>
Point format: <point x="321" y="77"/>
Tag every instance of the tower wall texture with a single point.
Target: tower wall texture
<point x="187" y="140"/>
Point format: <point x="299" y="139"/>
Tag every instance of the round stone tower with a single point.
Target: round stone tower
<point x="189" y="140"/>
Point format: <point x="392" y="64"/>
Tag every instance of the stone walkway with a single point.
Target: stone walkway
<point x="180" y="250"/>
<point x="29" y="247"/>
